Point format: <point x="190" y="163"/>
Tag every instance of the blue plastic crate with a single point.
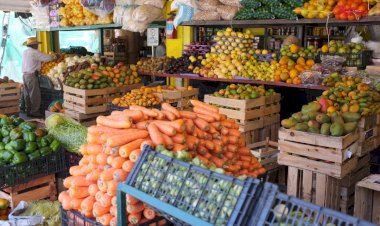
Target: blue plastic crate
<point x="187" y="194"/>
<point x="288" y="210"/>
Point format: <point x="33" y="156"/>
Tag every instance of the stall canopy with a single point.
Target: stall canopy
<point x="14" y="5"/>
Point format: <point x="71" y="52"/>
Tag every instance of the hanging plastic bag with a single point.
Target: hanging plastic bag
<point x="146" y="14"/>
<point x="185" y="13"/>
<point x="124" y="2"/>
<point x="206" y="15"/>
<point x="101" y="8"/>
<point x="156" y="3"/>
<point x="135" y="26"/>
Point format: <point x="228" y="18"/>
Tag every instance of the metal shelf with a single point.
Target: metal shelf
<point x="91" y="27"/>
<point x="246" y="81"/>
<point x="281" y="22"/>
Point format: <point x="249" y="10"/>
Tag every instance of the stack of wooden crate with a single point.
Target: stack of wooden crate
<point x="368" y="135"/>
<point x="316" y="164"/>
<point x="367" y="199"/>
<point x="258" y="118"/>
<point x="85" y="105"/>
<point x="179" y="98"/>
<point x="9" y="98"/>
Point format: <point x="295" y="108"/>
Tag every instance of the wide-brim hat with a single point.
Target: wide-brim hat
<point x="31" y="41"/>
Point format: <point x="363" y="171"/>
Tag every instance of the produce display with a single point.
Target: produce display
<point x="231" y="42"/>
<point x="339" y="47"/>
<point x="23" y="141"/>
<point x="243" y="92"/>
<point x="296" y="51"/>
<point x="4" y="209"/>
<point x="114" y="145"/>
<point x="102" y="77"/>
<point x="67" y="131"/>
<point x="350" y="9"/>
<point x="197" y="48"/>
<point x="316" y="9"/>
<point x="70" y="64"/>
<point x="142" y="97"/>
<point x="45" y="208"/>
<point x="57" y="107"/>
<point x="153" y="64"/>
<point x="290" y="70"/>
<point x="183" y="64"/>
<point x="47" y="66"/>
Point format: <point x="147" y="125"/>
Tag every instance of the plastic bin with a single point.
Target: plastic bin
<point x="48" y="96"/>
<point x="288" y="210"/>
<point x="30" y="170"/>
<point x="211" y="198"/>
<point x="71" y="159"/>
<point x="74" y="218"/>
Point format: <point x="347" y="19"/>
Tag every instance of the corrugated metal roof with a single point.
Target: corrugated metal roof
<point x="15" y="5"/>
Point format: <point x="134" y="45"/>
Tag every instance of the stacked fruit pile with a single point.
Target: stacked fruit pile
<point x="197" y="48"/>
<point x="114" y="145"/>
<point x="153" y="64"/>
<point x="340" y="47"/>
<point x="142" y="97"/>
<point x="290" y="70"/>
<point x="47" y="66"/>
<point x="350" y="9"/>
<point x="296" y="51"/>
<point x="231" y="42"/>
<point x="183" y="64"/>
<point x="243" y="92"/>
<point x="316" y="9"/>
<point x="102" y="77"/>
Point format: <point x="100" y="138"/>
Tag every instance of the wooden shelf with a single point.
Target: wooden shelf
<point x="91" y="27"/>
<point x="247" y="81"/>
<point x="281" y="22"/>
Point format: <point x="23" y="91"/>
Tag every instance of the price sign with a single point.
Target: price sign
<point x="153" y="37"/>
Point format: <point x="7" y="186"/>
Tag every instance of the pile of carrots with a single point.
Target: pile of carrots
<point x="115" y="143"/>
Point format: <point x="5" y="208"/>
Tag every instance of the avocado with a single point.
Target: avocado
<point x="313" y="130"/>
<point x="322" y="118"/>
<point x="337" y="119"/>
<point x="312" y="115"/>
<point x="325" y="128"/>
<point x="301" y="126"/>
<point x="288" y="123"/>
<point x="350" y="127"/>
<point x="298" y="116"/>
<point x="313" y="123"/>
<point x="337" y="129"/>
<point x="351" y="117"/>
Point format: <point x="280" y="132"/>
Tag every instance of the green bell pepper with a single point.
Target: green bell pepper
<point x="6" y="140"/>
<point x="8" y="155"/>
<point x="6" y="121"/>
<point x="30" y="147"/>
<point x="29" y="136"/>
<point x="45" y="141"/>
<point x="19" y="157"/>
<point x="17" y="121"/>
<point x="2" y="153"/>
<point x="17" y="145"/>
<point x="34" y="155"/>
<point x="45" y="151"/>
<point x="29" y="126"/>
<point x="55" y="145"/>
<point x="2" y="146"/>
<point x="15" y="134"/>
<point x="5" y="131"/>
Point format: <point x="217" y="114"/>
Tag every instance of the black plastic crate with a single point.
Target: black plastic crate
<point x="45" y="82"/>
<point x="212" y="197"/>
<point x="71" y="159"/>
<point x="288" y="210"/>
<point x="74" y="218"/>
<point x="360" y="59"/>
<point x="30" y="170"/>
<point x="48" y="96"/>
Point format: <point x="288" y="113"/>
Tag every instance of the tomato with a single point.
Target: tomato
<point x="95" y="77"/>
<point x="343" y="16"/>
<point x="351" y="16"/>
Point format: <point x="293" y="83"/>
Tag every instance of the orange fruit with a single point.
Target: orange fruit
<point x="293" y="73"/>
<point x="331" y="109"/>
<point x="284" y="60"/>
<point x="277" y="78"/>
<point x="284" y="76"/>
<point x="294" y="48"/>
<point x="325" y="49"/>
<point x="310" y="62"/>
<point x="301" y="61"/>
<point x="299" y="68"/>
<point x="289" y="81"/>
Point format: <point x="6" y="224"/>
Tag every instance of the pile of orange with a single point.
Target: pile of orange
<point x="290" y="70"/>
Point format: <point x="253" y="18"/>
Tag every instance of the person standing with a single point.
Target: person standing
<point x="31" y="65"/>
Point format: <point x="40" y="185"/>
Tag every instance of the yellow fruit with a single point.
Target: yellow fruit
<point x="4" y="204"/>
<point x="293" y="73"/>
<point x="325" y="49"/>
<point x="331" y="109"/>
<point x="294" y="48"/>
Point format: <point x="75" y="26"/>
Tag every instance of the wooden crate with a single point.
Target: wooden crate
<point x="41" y="188"/>
<point x="266" y="152"/>
<point x="367" y="199"/>
<point x="245" y="111"/>
<point x="84" y="119"/>
<point x="368" y="122"/>
<point x="314" y="187"/>
<point x="9" y="98"/>
<point x="319" y="153"/>
<point x="93" y="101"/>
<point x="259" y="133"/>
<point x="179" y="98"/>
<point x="347" y="192"/>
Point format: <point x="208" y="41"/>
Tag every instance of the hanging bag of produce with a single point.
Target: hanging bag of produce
<point x="101" y="8"/>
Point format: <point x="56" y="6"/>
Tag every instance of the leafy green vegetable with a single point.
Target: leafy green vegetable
<point x="48" y="209"/>
<point x="70" y="133"/>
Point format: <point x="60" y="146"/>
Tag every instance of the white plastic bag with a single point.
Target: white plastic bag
<point x="185" y="13"/>
<point x="101" y="8"/>
<point x="124" y="2"/>
<point x="156" y="3"/>
<point x="146" y="14"/>
<point x="135" y="26"/>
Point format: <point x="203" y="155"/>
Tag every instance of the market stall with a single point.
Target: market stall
<point x="268" y="114"/>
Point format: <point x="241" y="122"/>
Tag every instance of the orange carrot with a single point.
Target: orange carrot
<point x="148" y="142"/>
<point x="189" y="126"/>
<point x="207" y="118"/>
<point x="114" y="201"/>
<point x="209" y="145"/>
<point x="88" y="203"/>
<point x="146" y="111"/>
<point x="169" y="115"/>
<point x="116" y="124"/>
<point x="201" y="124"/>
<point x="217" y="125"/>
<point x="135" y="155"/>
<point x="232" y="148"/>
<point x="200" y="104"/>
<point x="93" y="176"/>
<point x="105" y="219"/>
<point x="101" y="158"/>
<point x="136" y="208"/>
<point x="120" y="175"/>
<point x="103" y="129"/>
<point x="83" y="161"/>
<point x="119" y="140"/>
<point x="149" y="213"/>
<point x="179" y="147"/>
<point x="93" y="139"/>
<point x="225" y="140"/>
<point x="133" y="114"/>
<point x="168" y="141"/>
<point x="166" y="129"/>
<point x="109" y="159"/>
<point x="99" y="210"/>
<point x="227" y="124"/>
<point x="169" y="108"/>
<point x="187" y="115"/>
<point x="217" y="161"/>
<point x="160" y="115"/>
<point x="234" y="132"/>
<point x="179" y="138"/>
<point x="75" y="203"/>
<point x="117" y="162"/>
<point x="105" y="200"/>
<point x="99" y="195"/>
<point x="91" y="159"/>
<point x="107" y="174"/>
<point x="229" y="154"/>
<point x="178" y="124"/>
<point x="128" y="165"/>
<point x="202" y="111"/>
<point x="132" y="200"/>
<point x="80" y="181"/>
<point x="93" y="189"/>
<point x="113" y="210"/>
<point x="125" y="150"/>
<point x="111" y="188"/>
<point x="113" y="221"/>
<point x="134" y="218"/>
<point x="245" y="158"/>
<point x="155" y="135"/>
<point x="67" y="181"/>
<point x="78" y="192"/>
<point x="212" y="129"/>
<point x="63" y="195"/>
<point x="142" y="124"/>
<point x="66" y="202"/>
<point x="233" y="139"/>
<point x="224" y="131"/>
<point x="244" y="151"/>
<point x="191" y="142"/>
<point x="76" y="171"/>
<point x="203" y="159"/>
